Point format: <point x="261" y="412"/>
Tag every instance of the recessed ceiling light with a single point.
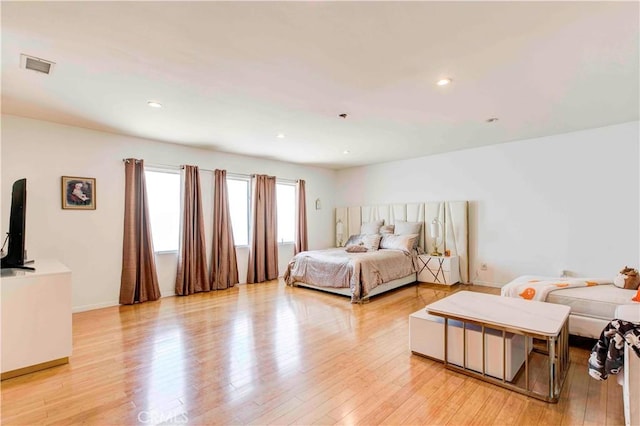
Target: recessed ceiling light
<point x="492" y="120"/>
<point x="346" y="151"/>
<point x="280" y="136"/>
<point x="444" y="81"/>
<point x="154" y="104"/>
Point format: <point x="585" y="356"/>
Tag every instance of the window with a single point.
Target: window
<point x="163" y="196"/>
<point x="286" y="201"/>
<point x="240" y="205"/>
<point x="239" y="209"/>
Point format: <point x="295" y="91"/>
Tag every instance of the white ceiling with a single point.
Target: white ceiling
<point x="232" y="75"/>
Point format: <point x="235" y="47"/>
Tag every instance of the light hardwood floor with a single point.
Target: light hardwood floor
<point x="267" y="353"/>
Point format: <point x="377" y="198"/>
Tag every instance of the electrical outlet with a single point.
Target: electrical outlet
<point x="483" y="266"/>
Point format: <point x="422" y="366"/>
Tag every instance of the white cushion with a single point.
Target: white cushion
<point x="371" y="242"/>
<point x="404" y="228"/>
<point x="598" y="301"/>
<point x="371" y="227"/>
<point x="398" y="242"/>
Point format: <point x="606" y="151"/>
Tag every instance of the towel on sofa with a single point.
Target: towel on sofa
<point x="538" y="289"/>
<point x="607" y="356"/>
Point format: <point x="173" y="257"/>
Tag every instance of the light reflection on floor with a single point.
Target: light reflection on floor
<point x="242" y="351"/>
<point x="287" y="340"/>
<point x="166" y="379"/>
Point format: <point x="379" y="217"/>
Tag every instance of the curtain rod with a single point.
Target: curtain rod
<point x="236" y="175"/>
<point x="277" y="178"/>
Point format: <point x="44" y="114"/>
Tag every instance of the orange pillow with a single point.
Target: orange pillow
<point x="636" y="298"/>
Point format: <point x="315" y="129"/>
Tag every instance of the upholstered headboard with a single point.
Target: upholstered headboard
<point x="451" y="215"/>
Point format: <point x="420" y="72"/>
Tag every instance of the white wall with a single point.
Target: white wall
<point x="538" y="206"/>
<point x="90" y="242"/>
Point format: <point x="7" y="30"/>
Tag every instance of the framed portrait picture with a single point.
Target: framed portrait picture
<point x="78" y="193"/>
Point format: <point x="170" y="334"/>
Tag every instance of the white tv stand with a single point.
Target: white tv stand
<point x="36" y="318"/>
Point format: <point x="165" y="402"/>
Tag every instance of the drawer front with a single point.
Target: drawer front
<point x="432" y="271"/>
<point x="433" y="262"/>
<point x="442" y="277"/>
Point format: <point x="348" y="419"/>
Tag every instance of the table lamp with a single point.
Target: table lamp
<point x="435" y="234"/>
<point x="339" y="232"/>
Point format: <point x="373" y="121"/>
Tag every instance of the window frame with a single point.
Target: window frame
<point x="167" y="170"/>
<point x="293" y="184"/>
<point x="246" y="179"/>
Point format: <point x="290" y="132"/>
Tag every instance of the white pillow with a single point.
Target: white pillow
<point x="371" y="242"/>
<point x="409" y="228"/>
<point x="399" y="242"/>
<point x="404" y="228"/>
<point x="618" y="281"/>
<point x="371" y="227"/>
<point x="354" y="240"/>
<point x="387" y="229"/>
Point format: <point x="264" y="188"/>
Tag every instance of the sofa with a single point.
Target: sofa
<point x="591" y="307"/>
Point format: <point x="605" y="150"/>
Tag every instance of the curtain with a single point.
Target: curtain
<point x="301" y="218"/>
<point x="263" y="247"/>
<point x="138" y="279"/>
<point x="224" y="267"/>
<point x="192" y="262"/>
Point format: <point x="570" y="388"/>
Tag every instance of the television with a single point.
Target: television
<point x="15" y="257"/>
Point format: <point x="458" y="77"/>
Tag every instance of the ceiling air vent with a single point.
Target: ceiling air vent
<point x="36" y="64"/>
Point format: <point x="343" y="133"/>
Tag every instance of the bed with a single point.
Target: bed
<point x="593" y="301"/>
<point x="362" y="275"/>
<point x="358" y="275"/>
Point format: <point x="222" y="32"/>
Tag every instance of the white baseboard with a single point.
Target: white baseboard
<point x="93" y="306"/>
<point x="488" y="284"/>
<point x="101" y="305"/>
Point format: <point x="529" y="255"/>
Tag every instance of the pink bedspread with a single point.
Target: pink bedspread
<point x="361" y="272"/>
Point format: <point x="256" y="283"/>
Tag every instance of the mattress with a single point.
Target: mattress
<point x="597" y="302"/>
<point x="358" y="273"/>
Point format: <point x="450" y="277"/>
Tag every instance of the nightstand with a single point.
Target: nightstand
<point x="438" y="269"/>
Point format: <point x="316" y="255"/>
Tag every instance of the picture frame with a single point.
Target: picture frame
<point x="78" y="193"/>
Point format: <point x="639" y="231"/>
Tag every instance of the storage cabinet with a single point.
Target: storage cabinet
<point x="426" y="337"/>
<point x="36" y="318"/>
<point x="439" y="269"/>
